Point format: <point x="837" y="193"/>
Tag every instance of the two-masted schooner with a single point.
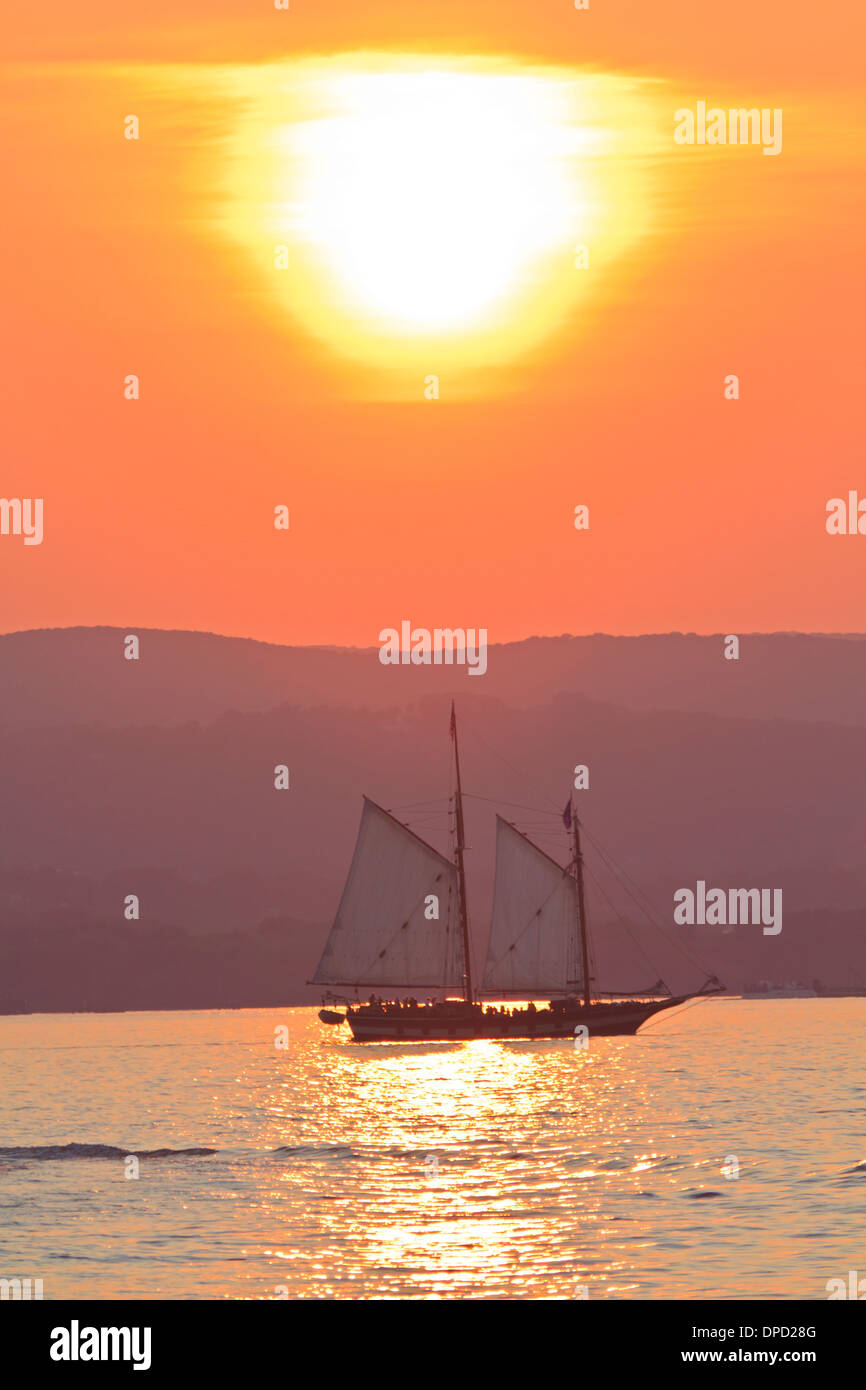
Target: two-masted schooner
<point x="403" y="925"/>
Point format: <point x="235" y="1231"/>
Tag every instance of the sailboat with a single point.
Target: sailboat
<point x="403" y="925"/>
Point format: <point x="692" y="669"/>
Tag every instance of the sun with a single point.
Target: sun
<point x="430" y="197"/>
<point x="412" y="210"/>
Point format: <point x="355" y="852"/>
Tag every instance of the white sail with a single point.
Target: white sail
<point x="533" y="933"/>
<point x="384" y="933"/>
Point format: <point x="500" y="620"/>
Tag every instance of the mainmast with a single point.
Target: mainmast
<point x="581" y="906"/>
<point x="461" y="877"/>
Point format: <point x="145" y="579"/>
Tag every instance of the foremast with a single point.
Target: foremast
<point x="461" y="875"/>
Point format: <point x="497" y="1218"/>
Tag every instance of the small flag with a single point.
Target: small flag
<point x="453" y="725"/>
<point x="566" y="815"/>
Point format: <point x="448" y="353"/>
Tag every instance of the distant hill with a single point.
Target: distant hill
<point x="156" y="778"/>
<point x="78" y="675"/>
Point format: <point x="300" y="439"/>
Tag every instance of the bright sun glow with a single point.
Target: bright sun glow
<point x="433" y="195"/>
<point x="431" y="212"/>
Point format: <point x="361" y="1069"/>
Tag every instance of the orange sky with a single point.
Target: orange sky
<point x="706" y="515"/>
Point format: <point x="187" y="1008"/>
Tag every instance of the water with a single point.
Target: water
<point x="478" y="1170"/>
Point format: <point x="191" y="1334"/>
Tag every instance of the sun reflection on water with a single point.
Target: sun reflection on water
<point x="456" y="1160"/>
<point x="486" y="1170"/>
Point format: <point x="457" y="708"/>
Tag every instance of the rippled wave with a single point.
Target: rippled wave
<point x="43" y="1152"/>
<point x="718" y="1157"/>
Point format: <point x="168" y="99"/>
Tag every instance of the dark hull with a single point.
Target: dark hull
<point x="435" y="1024"/>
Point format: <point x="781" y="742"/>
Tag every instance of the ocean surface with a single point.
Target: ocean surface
<point x="720" y="1154"/>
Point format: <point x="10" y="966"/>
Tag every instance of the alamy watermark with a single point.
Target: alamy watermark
<point x="734" y="907"/>
<point x="438" y="646"/>
<point x="77" y="1343"/>
<point x="854" y="1288"/>
<point x="716" y="126"/>
<point x="846" y="516"/>
<point x="21" y="1289"/>
<point x="22" y="516"/>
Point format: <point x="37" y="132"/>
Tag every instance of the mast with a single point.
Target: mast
<point x="581" y="906"/>
<point x="461" y="877"/>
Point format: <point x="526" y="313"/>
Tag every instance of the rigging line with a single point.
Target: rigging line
<point x="533" y="918"/>
<point x="553" y="844"/>
<point x="651" y="963"/>
<point x="501" y="801"/>
<point x="623" y="879"/>
<point x="496" y="754"/>
<point x="649" y="907"/>
<point x="531" y="817"/>
<point x="411" y="805"/>
<point x="422" y="900"/>
<point x="395" y="934"/>
<point x="683" y="1009"/>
